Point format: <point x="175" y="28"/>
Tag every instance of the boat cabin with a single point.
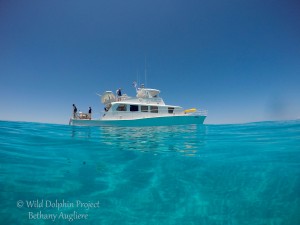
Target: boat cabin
<point x="133" y="110"/>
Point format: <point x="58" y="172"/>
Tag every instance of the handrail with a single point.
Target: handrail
<point x="159" y="113"/>
<point x="148" y="114"/>
<point x="202" y="112"/>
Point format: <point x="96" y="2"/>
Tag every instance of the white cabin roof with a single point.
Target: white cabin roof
<point x="137" y="102"/>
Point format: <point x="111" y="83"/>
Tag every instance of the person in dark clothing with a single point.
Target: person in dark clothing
<point x="74" y="111"/>
<point x="90" y="113"/>
<point x="119" y="94"/>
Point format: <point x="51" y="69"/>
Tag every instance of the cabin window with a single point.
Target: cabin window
<point x="121" y="107"/>
<point x="134" y="108"/>
<point x="170" y="110"/>
<point x="144" y="108"/>
<point x="154" y="109"/>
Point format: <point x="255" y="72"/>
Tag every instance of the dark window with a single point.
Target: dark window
<point x="154" y="109"/>
<point x="134" y="108"/>
<point x="144" y="108"/>
<point x="170" y="110"/>
<point x="122" y="107"/>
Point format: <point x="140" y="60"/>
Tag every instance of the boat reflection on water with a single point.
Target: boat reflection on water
<point x="186" y="140"/>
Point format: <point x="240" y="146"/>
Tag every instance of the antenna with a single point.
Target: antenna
<point x="137" y="77"/>
<point x="145" y="71"/>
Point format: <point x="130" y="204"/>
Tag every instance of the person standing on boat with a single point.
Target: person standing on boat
<point x="74" y="111"/>
<point x="90" y="113"/>
<point x="119" y="94"/>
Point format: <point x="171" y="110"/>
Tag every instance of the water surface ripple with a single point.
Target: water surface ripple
<point x="196" y="174"/>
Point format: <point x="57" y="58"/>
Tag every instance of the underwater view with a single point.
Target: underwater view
<point x="191" y="174"/>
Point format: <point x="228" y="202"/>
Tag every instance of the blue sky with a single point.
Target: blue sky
<point x="238" y="59"/>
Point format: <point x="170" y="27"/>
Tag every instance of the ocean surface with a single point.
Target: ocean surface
<point x="185" y="175"/>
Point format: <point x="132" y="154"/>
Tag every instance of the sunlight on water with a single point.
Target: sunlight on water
<point x="197" y="174"/>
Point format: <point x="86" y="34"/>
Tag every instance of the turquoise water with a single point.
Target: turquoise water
<point x="197" y="174"/>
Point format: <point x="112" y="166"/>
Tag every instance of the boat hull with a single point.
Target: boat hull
<point x="153" y="121"/>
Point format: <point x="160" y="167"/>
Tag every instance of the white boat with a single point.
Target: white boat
<point x="146" y="109"/>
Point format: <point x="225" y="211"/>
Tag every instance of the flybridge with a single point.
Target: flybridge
<point x="143" y="95"/>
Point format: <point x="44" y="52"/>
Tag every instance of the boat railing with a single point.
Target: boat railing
<point x="82" y="116"/>
<point x="202" y="112"/>
<point x="195" y="111"/>
<point x="122" y="98"/>
<point x="149" y="114"/>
